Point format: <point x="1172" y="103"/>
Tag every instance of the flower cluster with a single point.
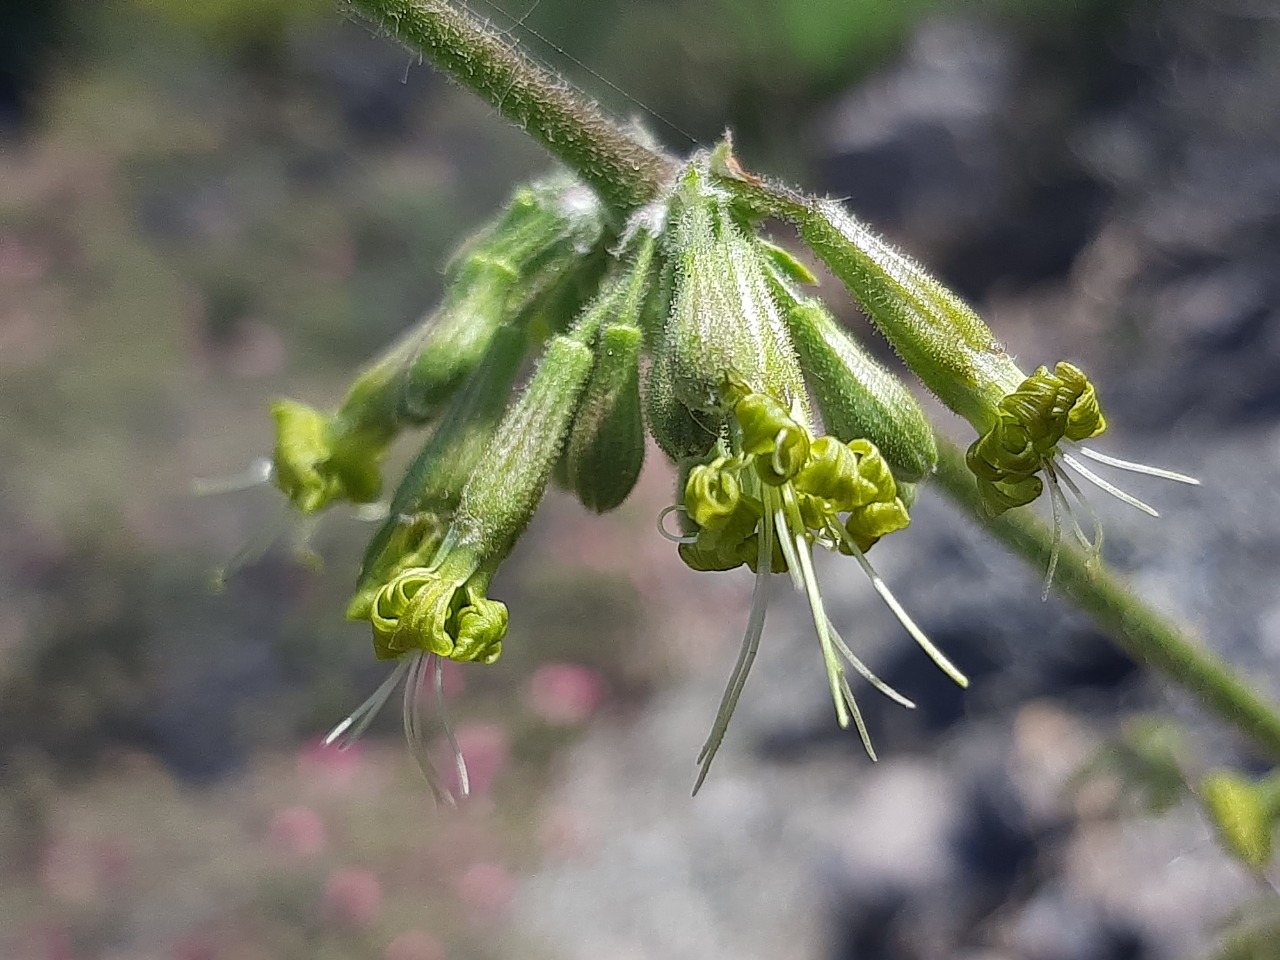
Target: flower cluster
<point x="688" y="326"/>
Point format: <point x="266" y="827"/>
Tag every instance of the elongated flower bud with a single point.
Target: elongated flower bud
<point x="856" y="396"/>
<point x="939" y="336"/>
<point x="501" y="276"/>
<point x="680" y="433"/>
<point x="606" y="449"/>
<point x="424" y="503"/>
<point x="605" y="453"/>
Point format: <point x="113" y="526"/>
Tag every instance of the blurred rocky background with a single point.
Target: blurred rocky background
<point x="206" y="206"/>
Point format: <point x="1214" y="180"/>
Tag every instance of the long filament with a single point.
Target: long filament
<point x="260" y="470"/>
<point x="357" y="722"/>
<point x="413" y="726"/>
<point x="882" y="588"/>
<point x="865" y="672"/>
<point x="1138" y="467"/>
<point x="1111" y="488"/>
<point x="746" y="655"/>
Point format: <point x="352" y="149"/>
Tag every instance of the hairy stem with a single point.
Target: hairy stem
<point x="627" y="173"/>
<point x="624" y="172"/>
<point x="1140" y="631"/>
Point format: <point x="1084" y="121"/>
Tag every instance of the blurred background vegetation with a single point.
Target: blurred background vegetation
<point x="204" y="206"/>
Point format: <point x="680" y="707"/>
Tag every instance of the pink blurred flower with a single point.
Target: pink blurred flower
<point x="564" y="693"/>
<point x="331" y="766"/>
<point x="352" y="897"/>
<point x="486" y="887"/>
<point x="414" y="945"/>
<point x="485" y="747"/>
<point x="298" y="832"/>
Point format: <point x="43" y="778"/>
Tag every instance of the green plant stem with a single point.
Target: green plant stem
<point x="1140" y="631"/>
<point x="627" y="174"/>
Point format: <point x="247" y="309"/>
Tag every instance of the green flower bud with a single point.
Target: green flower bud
<point x="856" y="396"/>
<point x="503" y="491"/>
<point x="605" y="452"/>
<point x="939" y="336"/>
<point x="606" y="449"/>
<point x="680" y="433"/>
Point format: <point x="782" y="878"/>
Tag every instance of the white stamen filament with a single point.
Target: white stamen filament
<point x="1138" y="467"/>
<point x="746" y="655"/>
<point x="374" y="512"/>
<point x="835" y="672"/>
<point x="415" y="733"/>
<point x="1110" y="488"/>
<point x="1055" y="480"/>
<point x="260" y="470"/>
<point x="255" y="549"/>
<point x="865" y="671"/>
<point x="350" y="729"/>
<point x="882" y="588"/>
<point x="666" y="534"/>
<point x="1056" y="547"/>
<point x="1094" y="547"/>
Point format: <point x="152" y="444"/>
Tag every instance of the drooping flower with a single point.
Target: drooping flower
<point x="464" y="504"/>
<point x="765" y="490"/>
<point x="1030" y="428"/>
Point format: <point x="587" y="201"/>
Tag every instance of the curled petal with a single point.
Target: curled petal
<point x="770" y="434"/>
<point x="712" y="493"/>
<point x="413" y="612"/>
<point x="482" y="625"/>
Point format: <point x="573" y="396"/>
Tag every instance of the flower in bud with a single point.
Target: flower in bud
<point x="533" y="252"/>
<point x="428" y="496"/>
<point x="605" y="452"/>
<point x="1027" y="426"/>
<point x="725" y="329"/>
